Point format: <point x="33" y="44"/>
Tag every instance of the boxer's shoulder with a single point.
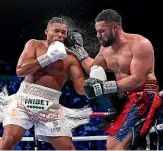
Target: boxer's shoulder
<point x="35" y="41"/>
<point x="137" y="38"/>
<point x="137" y="41"/>
<point x="71" y="57"/>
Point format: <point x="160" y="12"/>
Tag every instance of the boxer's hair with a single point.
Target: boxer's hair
<point x="109" y="15"/>
<point x="57" y="20"/>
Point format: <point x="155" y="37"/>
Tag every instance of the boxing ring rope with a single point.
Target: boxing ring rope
<point x="78" y="138"/>
<point x="153" y="129"/>
<point x="159" y="127"/>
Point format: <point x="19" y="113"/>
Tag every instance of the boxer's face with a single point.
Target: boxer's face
<point x="56" y="32"/>
<point x="105" y="33"/>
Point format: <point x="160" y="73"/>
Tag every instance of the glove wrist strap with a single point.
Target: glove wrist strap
<point x="110" y="87"/>
<point x="44" y="60"/>
<point x="80" y="53"/>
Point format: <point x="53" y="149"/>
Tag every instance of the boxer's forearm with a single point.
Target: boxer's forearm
<point x="130" y="83"/>
<point x="87" y="64"/>
<point x="27" y="67"/>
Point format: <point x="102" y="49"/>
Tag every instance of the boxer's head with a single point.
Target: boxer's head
<point x="108" y="23"/>
<point x="56" y="30"/>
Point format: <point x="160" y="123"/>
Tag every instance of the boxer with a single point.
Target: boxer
<point x="130" y="57"/>
<point x="45" y="66"/>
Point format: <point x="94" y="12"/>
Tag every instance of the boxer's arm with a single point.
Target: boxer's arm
<point x="28" y="63"/>
<point x="141" y="65"/>
<point x="99" y="60"/>
<point x="77" y="76"/>
<point x="87" y="64"/>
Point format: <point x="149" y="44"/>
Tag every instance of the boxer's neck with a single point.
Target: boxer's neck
<point x="120" y="39"/>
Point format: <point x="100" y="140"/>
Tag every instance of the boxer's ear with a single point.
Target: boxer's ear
<point x="114" y="29"/>
<point x="46" y="31"/>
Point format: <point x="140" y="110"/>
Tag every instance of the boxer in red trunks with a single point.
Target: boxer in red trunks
<point x="130" y="59"/>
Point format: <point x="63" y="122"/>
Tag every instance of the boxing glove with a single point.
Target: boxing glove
<point x="75" y="44"/>
<point x="97" y="83"/>
<point x="56" y="51"/>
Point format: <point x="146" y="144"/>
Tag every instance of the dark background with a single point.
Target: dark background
<point x="21" y="20"/>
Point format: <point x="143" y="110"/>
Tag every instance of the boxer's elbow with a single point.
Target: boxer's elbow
<point x="23" y="71"/>
<point x="79" y="87"/>
<point x="131" y="83"/>
<point x="27" y="68"/>
<point x="80" y="91"/>
<point x="19" y="71"/>
<point x="139" y="80"/>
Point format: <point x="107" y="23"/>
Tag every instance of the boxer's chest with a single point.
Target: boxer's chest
<point x="119" y="61"/>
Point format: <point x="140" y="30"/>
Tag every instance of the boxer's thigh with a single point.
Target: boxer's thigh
<point x="56" y="133"/>
<point x="125" y="123"/>
<point x="12" y="135"/>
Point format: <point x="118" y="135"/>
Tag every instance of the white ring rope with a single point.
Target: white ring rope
<point x="159" y="127"/>
<point x="78" y="138"/>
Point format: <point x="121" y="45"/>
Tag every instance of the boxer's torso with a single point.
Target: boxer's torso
<point x="119" y="60"/>
<point x="53" y="75"/>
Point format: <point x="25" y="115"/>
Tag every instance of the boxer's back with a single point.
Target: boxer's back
<point x="53" y="75"/>
<point x="119" y="59"/>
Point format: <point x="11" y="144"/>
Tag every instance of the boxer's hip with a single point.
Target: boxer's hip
<point x="141" y="104"/>
<point x="150" y="86"/>
<point x="38" y="102"/>
<point x="41" y="104"/>
<point x="38" y="91"/>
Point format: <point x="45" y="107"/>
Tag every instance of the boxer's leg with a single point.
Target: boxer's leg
<point x="125" y="128"/>
<point x="15" y="123"/>
<point x="115" y="144"/>
<point x="11" y="136"/>
<point x="58" y="133"/>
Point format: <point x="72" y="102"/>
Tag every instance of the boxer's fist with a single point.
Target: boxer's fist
<point x="98" y="72"/>
<point x="75" y="39"/>
<point x="75" y="44"/>
<point x="56" y="51"/>
<point x="97" y="83"/>
<point x="93" y="88"/>
<point x="94" y="85"/>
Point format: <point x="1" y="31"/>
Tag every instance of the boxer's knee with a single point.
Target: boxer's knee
<point x="112" y="143"/>
<point x="12" y="134"/>
<point x="7" y="142"/>
<point x="69" y="146"/>
<point x="115" y="144"/>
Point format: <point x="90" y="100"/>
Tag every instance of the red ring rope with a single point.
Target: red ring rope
<point x="99" y="114"/>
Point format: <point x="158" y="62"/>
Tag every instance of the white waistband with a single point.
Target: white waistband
<point x="39" y="91"/>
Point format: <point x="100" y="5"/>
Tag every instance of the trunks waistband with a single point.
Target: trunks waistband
<point x="39" y="91"/>
<point x="150" y="86"/>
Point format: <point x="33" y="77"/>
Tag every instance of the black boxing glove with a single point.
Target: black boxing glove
<point x="75" y="43"/>
<point x="97" y="83"/>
